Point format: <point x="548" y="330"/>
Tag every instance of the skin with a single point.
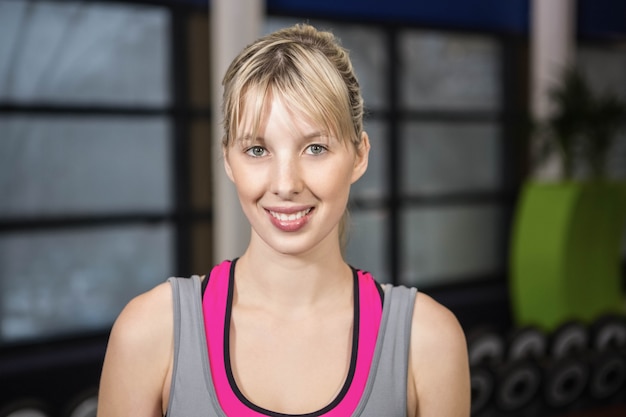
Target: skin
<point x="291" y="318"/>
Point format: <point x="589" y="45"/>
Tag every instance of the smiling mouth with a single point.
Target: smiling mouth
<point x="284" y="217"/>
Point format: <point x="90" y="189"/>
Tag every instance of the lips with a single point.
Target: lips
<point x="289" y="220"/>
<point x="290" y="216"/>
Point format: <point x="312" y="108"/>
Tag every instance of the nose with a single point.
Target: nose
<point x="287" y="180"/>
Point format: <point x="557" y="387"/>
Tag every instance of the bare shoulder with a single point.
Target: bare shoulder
<point x="434" y="325"/>
<point x="144" y="314"/>
<point x="439" y="361"/>
<point x="138" y="356"/>
<point x="145" y="326"/>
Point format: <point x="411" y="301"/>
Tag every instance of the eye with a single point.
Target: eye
<point x="256" y="151"/>
<point x="316" y="149"/>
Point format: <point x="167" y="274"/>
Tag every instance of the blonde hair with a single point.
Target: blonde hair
<point x="310" y="71"/>
<point x="307" y="68"/>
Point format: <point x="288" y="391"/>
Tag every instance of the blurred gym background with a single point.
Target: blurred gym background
<point x="110" y="183"/>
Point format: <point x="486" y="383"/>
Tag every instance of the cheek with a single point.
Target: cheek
<point x="247" y="181"/>
<point x="331" y="182"/>
<point x="249" y="188"/>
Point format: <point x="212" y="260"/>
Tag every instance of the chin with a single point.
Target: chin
<point x="285" y="248"/>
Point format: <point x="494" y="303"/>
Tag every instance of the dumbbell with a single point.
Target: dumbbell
<point x="569" y="338"/>
<point x="518" y="380"/>
<point x="608" y="331"/>
<point x="25" y="408"/>
<point x="84" y="404"/>
<point x="566" y="369"/>
<point x="565" y="380"/>
<point x="526" y="342"/>
<point x="608" y="339"/>
<point x="482" y="384"/>
<point x="608" y="374"/>
<point x="517" y="384"/>
<point x="485" y="346"/>
<point x="486" y="349"/>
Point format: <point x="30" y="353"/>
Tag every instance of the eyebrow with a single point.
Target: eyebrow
<point x="247" y="138"/>
<point x="316" y="134"/>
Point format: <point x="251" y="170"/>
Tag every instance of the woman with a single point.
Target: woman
<point x="288" y="328"/>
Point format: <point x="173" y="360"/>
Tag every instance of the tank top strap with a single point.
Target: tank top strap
<point x="385" y="394"/>
<point x="191" y="391"/>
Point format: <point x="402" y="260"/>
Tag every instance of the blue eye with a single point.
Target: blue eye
<point x="316" y="149"/>
<point x="256" y="151"/>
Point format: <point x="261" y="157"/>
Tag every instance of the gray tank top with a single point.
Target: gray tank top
<point x="192" y="393"/>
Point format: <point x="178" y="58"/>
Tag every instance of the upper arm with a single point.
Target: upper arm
<point x="138" y="357"/>
<point x="439" y="363"/>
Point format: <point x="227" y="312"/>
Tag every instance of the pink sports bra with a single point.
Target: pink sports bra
<point x="217" y="304"/>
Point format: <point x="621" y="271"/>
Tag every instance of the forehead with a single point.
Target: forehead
<point x="258" y="109"/>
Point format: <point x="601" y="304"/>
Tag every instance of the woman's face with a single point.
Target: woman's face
<point x="293" y="179"/>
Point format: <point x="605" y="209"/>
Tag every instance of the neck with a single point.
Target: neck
<point x="289" y="282"/>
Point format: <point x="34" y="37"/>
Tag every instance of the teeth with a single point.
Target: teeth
<point x="290" y="217"/>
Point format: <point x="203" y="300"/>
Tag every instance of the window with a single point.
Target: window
<point x="87" y="215"/>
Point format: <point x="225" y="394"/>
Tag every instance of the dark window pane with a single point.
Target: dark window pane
<point x="368" y="242"/>
<point x="374" y="183"/>
<point x="441" y="244"/>
<point x="444" y="158"/>
<point x="64" y="165"/>
<point x="77" y="52"/>
<point x="62" y="282"/>
<point x="448" y="72"/>
<point x="605" y="69"/>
